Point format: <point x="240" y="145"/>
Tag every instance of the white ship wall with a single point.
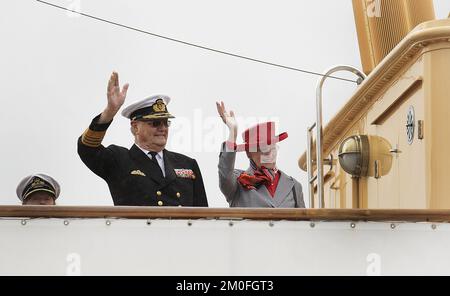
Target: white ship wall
<point x="214" y="247"/>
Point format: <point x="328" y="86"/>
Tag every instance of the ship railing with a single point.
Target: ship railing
<point x="319" y="162"/>
<point x="186" y="213"/>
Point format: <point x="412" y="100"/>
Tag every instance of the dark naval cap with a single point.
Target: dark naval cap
<point x="35" y="183"/>
<point x="154" y="107"/>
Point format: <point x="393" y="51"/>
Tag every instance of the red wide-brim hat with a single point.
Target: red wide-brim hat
<point x="260" y="135"/>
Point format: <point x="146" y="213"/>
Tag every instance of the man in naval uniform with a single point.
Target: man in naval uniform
<point x="38" y="190"/>
<point x="146" y="174"/>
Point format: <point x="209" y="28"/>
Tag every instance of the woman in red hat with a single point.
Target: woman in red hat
<point x="262" y="184"/>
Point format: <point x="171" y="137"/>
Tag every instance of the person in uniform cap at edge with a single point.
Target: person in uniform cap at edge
<point x="262" y="184"/>
<point x="146" y="174"/>
<point x="38" y="189"/>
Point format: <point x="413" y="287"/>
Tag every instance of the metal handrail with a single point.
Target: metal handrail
<point x="309" y="165"/>
<point x="319" y="134"/>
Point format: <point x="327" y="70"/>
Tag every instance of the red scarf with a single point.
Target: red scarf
<point x="260" y="176"/>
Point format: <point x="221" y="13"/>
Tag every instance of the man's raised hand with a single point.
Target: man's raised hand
<point x="116" y="98"/>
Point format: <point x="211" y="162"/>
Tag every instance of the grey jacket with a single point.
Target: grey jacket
<point x="260" y="197"/>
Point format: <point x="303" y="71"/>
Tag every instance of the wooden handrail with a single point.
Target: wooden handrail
<point x="219" y="213"/>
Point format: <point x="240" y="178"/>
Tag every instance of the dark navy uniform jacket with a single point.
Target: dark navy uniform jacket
<point x="134" y="180"/>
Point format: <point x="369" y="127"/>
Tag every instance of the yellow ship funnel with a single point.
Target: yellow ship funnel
<point x="382" y="24"/>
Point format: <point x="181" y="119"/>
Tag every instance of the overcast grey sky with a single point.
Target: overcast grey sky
<point x="54" y="70"/>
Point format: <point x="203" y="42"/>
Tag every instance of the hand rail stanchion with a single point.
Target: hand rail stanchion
<point x="309" y="165"/>
<point x="319" y="135"/>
